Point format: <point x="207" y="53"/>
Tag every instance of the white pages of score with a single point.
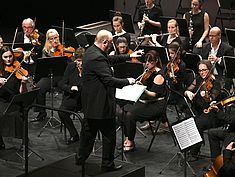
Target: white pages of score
<point x="130" y="92"/>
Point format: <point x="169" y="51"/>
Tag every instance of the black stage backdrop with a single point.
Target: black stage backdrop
<point x="47" y="13"/>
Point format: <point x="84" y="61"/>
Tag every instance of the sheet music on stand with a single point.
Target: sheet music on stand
<point x="186" y="133"/>
<point x="130" y="92"/>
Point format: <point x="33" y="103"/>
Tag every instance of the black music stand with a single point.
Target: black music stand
<point x="230" y="33"/>
<point x="229" y="64"/>
<point x="191" y="60"/>
<point x="127" y="20"/>
<point x="182" y="23"/>
<point x="50" y="67"/>
<point x="23" y="102"/>
<point x="163" y="53"/>
<point x="186" y="135"/>
<point x="90" y="38"/>
<point x="69" y="36"/>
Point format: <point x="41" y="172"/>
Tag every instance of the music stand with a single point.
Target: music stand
<point x="163" y="53"/>
<point x="182" y="24"/>
<point x="229" y="64"/>
<point x="90" y="39"/>
<point x="127" y="20"/>
<point x="23" y="102"/>
<point x="186" y="135"/>
<point x="50" y="67"/>
<point x="191" y="60"/>
<point x="230" y="33"/>
<point x="69" y="36"/>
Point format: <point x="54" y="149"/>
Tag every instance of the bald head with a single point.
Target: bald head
<point x="215" y="30"/>
<point x="103" y="35"/>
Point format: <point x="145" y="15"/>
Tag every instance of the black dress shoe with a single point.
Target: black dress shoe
<point x="107" y="169"/>
<point x="72" y="139"/>
<point x="40" y="117"/>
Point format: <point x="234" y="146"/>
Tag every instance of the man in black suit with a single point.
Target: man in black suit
<point x="98" y="99"/>
<point x="214" y="50"/>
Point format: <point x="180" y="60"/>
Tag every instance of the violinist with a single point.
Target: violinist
<point x="153" y="97"/>
<point x="11" y="125"/>
<point x="122" y="48"/>
<point x="71" y="85"/>
<point x="30" y="35"/>
<point x="53" y="46"/>
<point x="203" y="92"/>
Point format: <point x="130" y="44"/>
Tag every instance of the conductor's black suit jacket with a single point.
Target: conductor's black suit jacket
<point x="99" y="84"/>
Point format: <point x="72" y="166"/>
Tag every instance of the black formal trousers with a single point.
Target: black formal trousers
<point x="90" y="127"/>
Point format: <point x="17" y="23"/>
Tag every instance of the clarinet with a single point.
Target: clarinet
<point x="190" y="29"/>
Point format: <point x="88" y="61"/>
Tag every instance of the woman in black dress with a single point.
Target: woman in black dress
<point x="11" y="124"/>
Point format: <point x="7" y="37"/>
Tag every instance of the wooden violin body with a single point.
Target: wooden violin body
<point x="64" y="51"/>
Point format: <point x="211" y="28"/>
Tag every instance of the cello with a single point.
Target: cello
<point x="213" y="172"/>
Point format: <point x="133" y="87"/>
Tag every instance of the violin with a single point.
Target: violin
<point x="17" y="70"/>
<point x="215" y="167"/>
<point x="173" y="66"/>
<point x="147" y="74"/>
<point x="18" y="52"/>
<point x="222" y="103"/>
<point x="64" y="51"/>
<point x="34" y="36"/>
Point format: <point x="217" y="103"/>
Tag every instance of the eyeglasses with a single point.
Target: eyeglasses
<point x="53" y="38"/>
<point x="27" y="27"/>
<point x="202" y="70"/>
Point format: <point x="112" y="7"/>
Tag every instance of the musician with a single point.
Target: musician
<point x="52" y="43"/>
<point x="198" y="23"/>
<point x="118" y="29"/>
<point x="11" y="124"/>
<point x="153" y="97"/>
<point x="214" y="50"/>
<point x="31" y="35"/>
<point x="98" y="99"/>
<point x="122" y="48"/>
<point x="220" y="137"/>
<point x="175" y="73"/>
<point x="228" y="168"/>
<point x="173" y="30"/>
<point x="201" y="93"/>
<point x="71" y="85"/>
<point x="148" y="21"/>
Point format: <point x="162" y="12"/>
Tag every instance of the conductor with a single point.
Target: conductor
<point x="98" y="99"/>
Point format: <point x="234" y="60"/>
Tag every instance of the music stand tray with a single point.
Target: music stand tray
<point x="50" y="65"/>
<point x="230" y="33"/>
<point x="229" y="64"/>
<point x="163" y="53"/>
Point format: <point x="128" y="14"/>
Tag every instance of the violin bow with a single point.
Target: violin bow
<point x="62" y="37"/>
<point x="13" y="42"/>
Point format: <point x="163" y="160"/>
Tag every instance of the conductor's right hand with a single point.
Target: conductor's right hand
<point x="131" y="81"/>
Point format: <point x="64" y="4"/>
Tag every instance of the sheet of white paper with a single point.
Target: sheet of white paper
<point x="130" y="92"/>
<point x="187" y="133"/>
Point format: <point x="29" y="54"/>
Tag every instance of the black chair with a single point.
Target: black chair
<point x="182" y="10"/>
<point x="191" y="60"/>
<point x="158" y="120"/>
<point x="225" y="12"/>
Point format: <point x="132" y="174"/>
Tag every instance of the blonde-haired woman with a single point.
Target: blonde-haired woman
<point x="173" y="30"/>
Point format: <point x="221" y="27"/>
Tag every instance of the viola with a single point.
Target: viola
<point x="215" y="167"/>
<point x="35" y="37"/>
<point x="224" y="102"/>
<point x="18" y="52"/>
